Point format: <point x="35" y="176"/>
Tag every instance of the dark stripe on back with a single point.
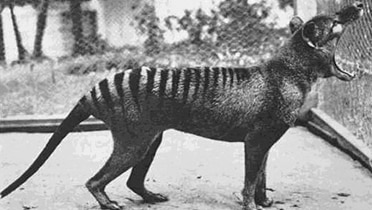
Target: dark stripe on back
<point x="197" y="82"/>
<point x="231" y="74"/>
<point x="163" y="83"/>
<point x="118" y="82"/>
<point x="216" y="74"/>
<point x="175" y="81"/>
<point x="238" y="75"/>
<point x="224" y="76"/>
<point x="93" y="93"/>
<point x="134" y="80"/>
<point x="150" y="80"/>
<point x="245" y="74"/>
<point x="206" y="80"/>
<point x="105" y="91"/>
<point x="83" y="100"/>
<point x="186" y="84"/>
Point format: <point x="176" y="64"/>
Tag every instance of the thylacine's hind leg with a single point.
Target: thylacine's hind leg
<point x="128" y="151"/>
<point x="139" y="171"/>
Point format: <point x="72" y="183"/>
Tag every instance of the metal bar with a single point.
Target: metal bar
<point x="46" y="125"/>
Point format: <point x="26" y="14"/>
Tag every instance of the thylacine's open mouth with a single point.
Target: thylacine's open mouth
<point x="345" y="16"/>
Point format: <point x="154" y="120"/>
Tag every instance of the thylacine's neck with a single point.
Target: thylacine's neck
<point x="297" y="62"/>
<point x="284" y="67"/>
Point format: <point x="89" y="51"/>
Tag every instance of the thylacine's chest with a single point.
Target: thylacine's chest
<point x="291" y="101"/>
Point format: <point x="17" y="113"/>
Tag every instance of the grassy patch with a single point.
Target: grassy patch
<point x="41" y="89"/>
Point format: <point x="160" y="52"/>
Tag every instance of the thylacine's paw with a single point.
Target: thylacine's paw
<point x="150" y="197"/>
<point x="266" y="202"/>
<point x="251" y="206"/>
<point x="262" y="199"/>
<point x="113" y="205"/>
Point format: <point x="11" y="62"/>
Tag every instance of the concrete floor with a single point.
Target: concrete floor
<point x="304" y="172"/>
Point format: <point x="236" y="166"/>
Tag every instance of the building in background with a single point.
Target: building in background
<point x="109" y="20"/>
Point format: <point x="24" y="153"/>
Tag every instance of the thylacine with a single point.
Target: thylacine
<point x="253" y="105"/>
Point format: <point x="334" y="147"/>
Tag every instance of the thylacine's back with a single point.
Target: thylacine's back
<point x="252" y="105"/>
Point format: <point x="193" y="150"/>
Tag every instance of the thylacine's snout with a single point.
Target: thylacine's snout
<point x="350" y="13"/>
<point x="323" y="32"/>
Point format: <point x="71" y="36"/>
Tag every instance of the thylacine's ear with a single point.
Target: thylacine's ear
<point x="309" y="33"/>
<point x="295" y="23"/>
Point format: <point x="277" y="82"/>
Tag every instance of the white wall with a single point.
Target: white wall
<point x="53" y="45"/>
<point x="27" y="29"/>
<point x="306" y="9"/>
<point x="116" y="20"/>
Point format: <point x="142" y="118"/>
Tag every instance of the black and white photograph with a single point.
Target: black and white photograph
<point x="190" y="105"/>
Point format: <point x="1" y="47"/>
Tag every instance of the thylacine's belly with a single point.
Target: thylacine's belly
<point x="221" y="132"/>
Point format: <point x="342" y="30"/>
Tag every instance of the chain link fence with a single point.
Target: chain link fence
<point x="224" y="32"/>
<point x="356" y="43"/>
<point x="350" y="103"/>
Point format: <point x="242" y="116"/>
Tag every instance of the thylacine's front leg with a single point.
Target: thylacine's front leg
<point x="260" y="196"/>
<point x="256" y="147"/>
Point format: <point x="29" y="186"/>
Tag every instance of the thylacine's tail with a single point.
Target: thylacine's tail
<point x="75" y="117"/>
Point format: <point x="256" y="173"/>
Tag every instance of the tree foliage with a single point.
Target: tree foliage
<point x="33" y="3"/>
<point x="21" y="2"/>
<point x="236" y="25"/>
<point x="148" y="23"/>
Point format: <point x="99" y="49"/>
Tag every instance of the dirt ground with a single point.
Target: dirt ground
<point x="304" y="172"/>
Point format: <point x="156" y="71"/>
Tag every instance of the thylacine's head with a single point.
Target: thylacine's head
<point x="320" y="35"/>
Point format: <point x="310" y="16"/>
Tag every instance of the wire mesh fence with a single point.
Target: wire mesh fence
<point x="232" y="32"/>
<point x="356" y="43"/>
<point x="351" y="102"/>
